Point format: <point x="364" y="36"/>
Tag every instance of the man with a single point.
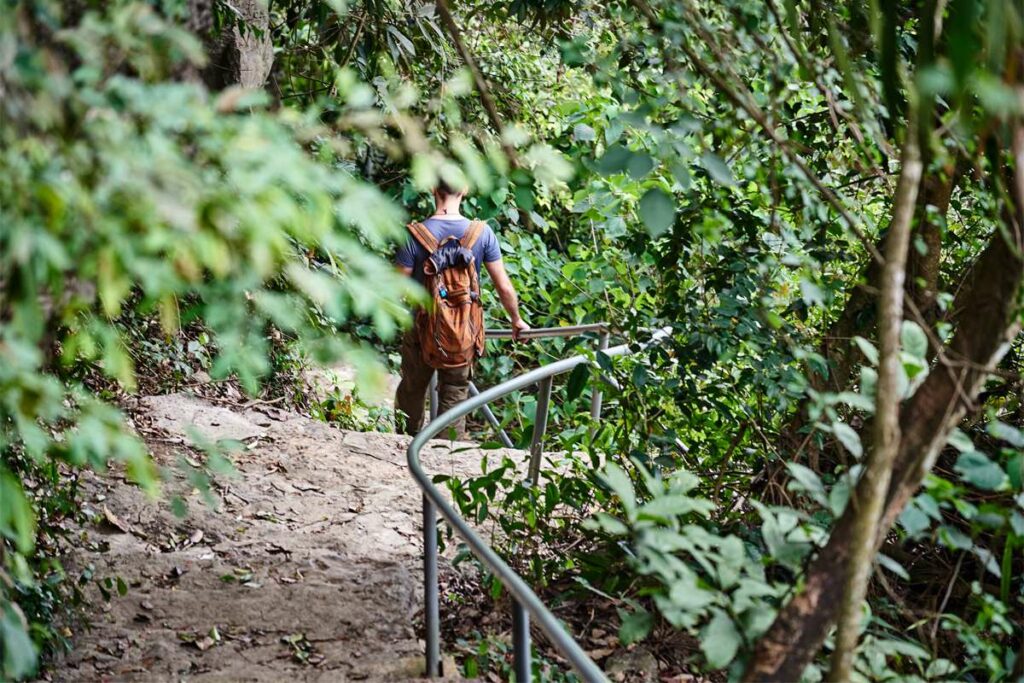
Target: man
<point x="453" y="383"/>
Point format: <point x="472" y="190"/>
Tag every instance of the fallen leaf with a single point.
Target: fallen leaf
<point x="205" y="644"/>
<point x="114" y="521"/>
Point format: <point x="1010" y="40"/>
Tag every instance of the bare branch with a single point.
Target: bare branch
<point x="478" y="78"/>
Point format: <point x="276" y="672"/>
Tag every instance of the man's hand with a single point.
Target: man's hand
<point x="507" y="294"/>
<point x="518" y="327"/>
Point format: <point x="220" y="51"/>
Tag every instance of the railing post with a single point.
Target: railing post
<point x="433" y="396"/>
<point x="540" y="426"/>
<point x="431" y="608"/>
<point x="523" y="667"/>
<point x="489" y="414"/>
<point x="596" y="397"/>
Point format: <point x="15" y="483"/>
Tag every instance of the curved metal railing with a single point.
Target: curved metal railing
<point x="525" y="602"/>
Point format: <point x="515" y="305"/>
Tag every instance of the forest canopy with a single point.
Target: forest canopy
<point x="823" y="202"/>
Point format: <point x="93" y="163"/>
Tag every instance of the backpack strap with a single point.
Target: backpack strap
<point x="423" y="236"/>
<point x="473" y="232"/>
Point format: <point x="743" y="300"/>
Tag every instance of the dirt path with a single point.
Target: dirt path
<point x="308" y="568"/>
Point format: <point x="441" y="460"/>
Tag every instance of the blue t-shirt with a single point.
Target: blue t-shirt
<point x="413" y="255"/>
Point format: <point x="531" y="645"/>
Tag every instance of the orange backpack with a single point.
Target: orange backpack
<point x="451" y="328"/>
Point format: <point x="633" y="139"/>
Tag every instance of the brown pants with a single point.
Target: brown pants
<point x="452" y="388"/>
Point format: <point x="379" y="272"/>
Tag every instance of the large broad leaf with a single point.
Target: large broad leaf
<point x="577" y="381"/>
<point x="614" y="160"/>
<point x="1007" y="433"/>
<point x="848" y="437"/>
<point x="635" y="626"/>
<point x="657" y="211"/>
<point x="669" y="506"/>
<point x="975" y="468"/>
<point x="808" y="480"/>
<point x="720" y="640"/>
<point x="914" y="521"/>
<point x="618" y="481"/>
<point x="639" y="165"/>
<point x="913" y="339"/>
<point x="18" y="651"/>
<point x="868" y="349"/>
<point x="583" y="133"/>
<point x="960" y="441"/>
<point x="17" y="521"/>
<point x="717" y="168"/>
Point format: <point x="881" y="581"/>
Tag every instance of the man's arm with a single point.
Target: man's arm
<point x="507" y="294"/>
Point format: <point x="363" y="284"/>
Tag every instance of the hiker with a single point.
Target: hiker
<point x="444" y="254"/>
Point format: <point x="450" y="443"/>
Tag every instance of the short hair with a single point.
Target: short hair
<point x="445" y="189"/>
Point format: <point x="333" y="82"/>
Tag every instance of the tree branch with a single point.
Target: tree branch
<point x="448" y="21"/>
<point x="869" y="498"/>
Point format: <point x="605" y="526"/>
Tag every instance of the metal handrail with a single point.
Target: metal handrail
<point x="525" y="601"/>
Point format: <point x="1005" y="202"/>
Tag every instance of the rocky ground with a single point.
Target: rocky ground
<point x="306" y="566"/>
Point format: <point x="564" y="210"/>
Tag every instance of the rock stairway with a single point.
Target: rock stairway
<point x="307" y="567"/>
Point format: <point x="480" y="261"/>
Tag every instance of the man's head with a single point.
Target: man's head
<point x="445" y="192"/>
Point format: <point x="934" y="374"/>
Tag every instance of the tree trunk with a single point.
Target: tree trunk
<point x="988" y="321"/>
<point x="240" y="54"/>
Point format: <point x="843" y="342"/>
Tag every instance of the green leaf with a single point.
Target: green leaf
<point x="1015" y="470"/>
<point x="807" y="480"/>
<point x="17" y="521"/>
<point x="1017" y="524"/>
<point x="913" y="339"/>
<point x="855" y="400"/>
<point x="848" y="437"/>
<point x="839" y="496"/>
<point x="577" y="381"/>
<point x="868" y="349"/>
<point x="635" y="626"/>
<point x="717" y="168"/>
<point x="19" y="652"/>
<point x="614" y="160"/>
<point x="960" y="441"/>
<point x="607" y="523"/>
<point x="639" y="376"/>
<point x="732" y="558"/>
<point x="674" y="505"/>
<point x="639" y="165"/>
<point x="581" y="132"/>
<point x="953" y="538"/>
<point x="619" y="482"/>
<point x="1005" y="432"/>
<point x="914" y="520"/>
<point x="868" y="383"/>
<point x="977" y="469"/>
<point x="893" y="566"/>
<point x="524" y="197"/>
<point x="657" y="211"/>
<point x="720" y="640"/>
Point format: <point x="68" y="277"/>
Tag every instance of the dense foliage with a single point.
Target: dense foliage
<point x="728" y="170"/>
